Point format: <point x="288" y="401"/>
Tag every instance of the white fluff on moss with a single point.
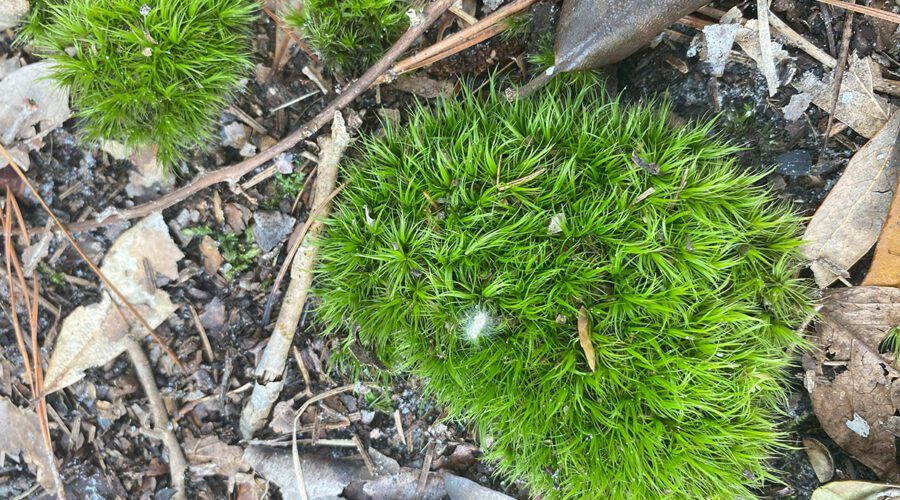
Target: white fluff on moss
<point x="478" y="324"/>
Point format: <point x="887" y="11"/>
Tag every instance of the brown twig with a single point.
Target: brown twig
<point x="482" y="30"/>
<point x="234" y="172"/>
<point x="97" y="272"/>
<point x="839" y="74"/>
<point x="177" y="463"/>
<point x="868" y="11"/>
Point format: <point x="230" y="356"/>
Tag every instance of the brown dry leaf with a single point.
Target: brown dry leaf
<point x="92" y="335"/>
<point x="584" y="338"/>
<point x="858" y="106"/>
<point x="848" y="222"/>
<point x="21" y="433"/>
<point x="820" y="459"/>
<point x="212" y="258"/>
<point x="854" y="388"/>
<point x="856" y="490"/>
<point x="885" y="268"/>
<point x="210" y="456"/>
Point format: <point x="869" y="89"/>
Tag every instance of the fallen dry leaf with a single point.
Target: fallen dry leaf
<point x="820" y="459"/>
<point x="885" y="267"/>
<point x="21" y="433"/>
<point x="584" y="338"/>
<point x="718" y="40"/>
<point x="212" y="258"/>
<point x="748" y="37"/>
<point x="29" y="99"/>
<point x="856" y="490"/>
<point x="11" y="11"/>
<point x="854" y="388"/>
<point x="858" y="106"/>
<point x="210" y="455"/>
<point x="93" y="335"/>
<point x="848" y="222"/>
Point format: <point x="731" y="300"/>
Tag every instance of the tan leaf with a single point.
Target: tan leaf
<point x="847" y="223"/>
<point x="858" y="106"/>
<point x="21" y="433"/>
<point x="584" y="337"/>
<point x="820" y="459"/>
<point x="855" y="490"/>
<point x="885" y="268"/>
<point x="856" y="390"/>
<point x="92" y="335"/>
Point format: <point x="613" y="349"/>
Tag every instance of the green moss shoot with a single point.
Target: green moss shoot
<point x="154" y="73"/>
<point x="350" y="35"/>
<point x="466" y="243"/>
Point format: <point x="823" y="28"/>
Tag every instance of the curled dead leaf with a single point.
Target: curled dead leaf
<point x="820" y="459"/>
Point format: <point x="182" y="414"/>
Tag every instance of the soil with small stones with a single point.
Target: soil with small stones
<point x="97" y="423"/>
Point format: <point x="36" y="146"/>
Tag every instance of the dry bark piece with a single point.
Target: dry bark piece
<point x="596" y="33"/>
<point x="820" y="459"/>
<point x="853" y="386"/>
<point x="848" y="222"/>
<point x="21" y="433"/>
<point x="94" y="334"/>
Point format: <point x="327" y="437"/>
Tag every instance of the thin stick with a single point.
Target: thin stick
<point x="456" y="42"/>
<point x="234" y="172"/>
<point x="868" y="11"/>
<point x="177" y="463"/>
<point x="269" y="372"/>
<point x="295" y="453"/>
<point x="88" y="261"/>
<point x="839" y="73"/>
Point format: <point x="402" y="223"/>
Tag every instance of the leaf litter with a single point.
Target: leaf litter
<point x="93" y="335"/>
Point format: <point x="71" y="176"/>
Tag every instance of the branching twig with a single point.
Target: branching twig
<point x="269" y="372"/>
<point x="234" y="172"/>
<point x="177" y="463"/>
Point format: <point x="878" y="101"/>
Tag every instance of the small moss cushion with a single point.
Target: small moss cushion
<point x="466" y="244"/>
<point x="350" y="35"/>
<point x="144" y="73"/>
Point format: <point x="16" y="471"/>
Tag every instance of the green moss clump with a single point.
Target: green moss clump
<point x="467" y="242"/>
<point x="350" y="35"/>
<point x="155" y="73"/>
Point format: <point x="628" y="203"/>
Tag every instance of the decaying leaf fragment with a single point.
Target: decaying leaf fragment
<point x="848" y="222"/>
<point x="30" y="99"/>
<point x="20" y="432"/>
<point x="820" y="459"/>
<point x="858" y="105"/>
<point x="93" y="335"/>
<point x="855" y="389"/>
<point x="596" y="33"/>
